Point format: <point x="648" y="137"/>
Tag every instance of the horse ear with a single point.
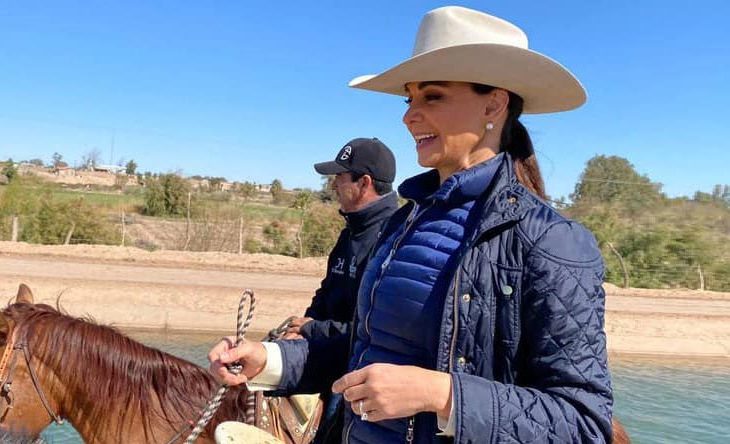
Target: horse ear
<point x="24" y="295"/>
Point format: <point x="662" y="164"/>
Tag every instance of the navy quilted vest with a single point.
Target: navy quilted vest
<point x="401" y="297"/>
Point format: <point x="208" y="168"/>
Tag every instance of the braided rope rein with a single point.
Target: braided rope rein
<point x="241" y="327"/>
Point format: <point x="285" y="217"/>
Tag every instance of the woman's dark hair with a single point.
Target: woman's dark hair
<point x="516" y="141"/>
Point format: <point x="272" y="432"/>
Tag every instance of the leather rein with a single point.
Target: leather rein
<point x="8" y="361"/>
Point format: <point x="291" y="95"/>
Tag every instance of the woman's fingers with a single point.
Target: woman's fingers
<point x="350" y="379"/>
<point x="223" y="345"/>
<point x="221" y="374"/>
<point x="252" y="355"/>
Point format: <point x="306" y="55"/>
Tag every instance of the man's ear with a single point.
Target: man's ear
<point x="367" y="183"/>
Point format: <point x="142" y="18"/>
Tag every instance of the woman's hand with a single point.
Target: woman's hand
<point x="252" y="355"/>
<point x="386" y="391"/>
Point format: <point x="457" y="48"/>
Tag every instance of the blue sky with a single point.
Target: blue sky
<point x="256" y="90"/>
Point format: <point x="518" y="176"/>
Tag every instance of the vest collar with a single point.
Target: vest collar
<point x="461" y="187"/>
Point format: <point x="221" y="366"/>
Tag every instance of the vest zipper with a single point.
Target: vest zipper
<point x="410" y="220"/>
<point x="456" y="318"/>
<point x="411" y="427"/>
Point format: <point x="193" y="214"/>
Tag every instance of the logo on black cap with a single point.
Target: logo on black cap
<point x="362" y="156"/>
<point x="346" y="152"/>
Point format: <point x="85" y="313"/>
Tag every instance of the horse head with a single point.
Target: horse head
<point x="111" y="388"/>
<point x="24" y="407"/>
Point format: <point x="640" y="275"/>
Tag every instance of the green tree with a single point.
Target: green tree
<point x="327" y="193"/>
<point x="302" y="202"/>
<point x="45" y="219"/>
<point x="277" y="191"/>
<point x="166" y="196"/>
<point x="131" y="167"/>
<point x="613" y="180"/>
<point x="275" y="233"/>
<point x="246" y="190"/>
<point x="8" y="170"/>
<point x="57" y="159"/>
<point x="322" y="226"/>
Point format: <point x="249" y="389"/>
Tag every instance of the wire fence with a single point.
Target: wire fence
<point x="677" y="243"/>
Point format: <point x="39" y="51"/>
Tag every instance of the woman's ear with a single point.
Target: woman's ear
<point x="497" y="102"/>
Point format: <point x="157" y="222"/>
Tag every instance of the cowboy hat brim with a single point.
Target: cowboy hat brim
<point x="544" y="84"/>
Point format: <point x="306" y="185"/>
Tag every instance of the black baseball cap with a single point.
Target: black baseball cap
<point x="363" y="156"/>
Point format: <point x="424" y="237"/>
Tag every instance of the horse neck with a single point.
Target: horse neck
<point x="109" y="386"/>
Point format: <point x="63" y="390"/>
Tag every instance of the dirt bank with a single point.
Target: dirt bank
<point x="135" y="288"/>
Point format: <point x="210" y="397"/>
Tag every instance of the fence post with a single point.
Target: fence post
<point x="621" y="261"/>
<point x="124" y="228"/>
<point x="14" y="236"/>
<point x="702" y="277"/>
<point x="187" y="227"/>
<point x="240" y="235"/>
<point x="70" y="233"/>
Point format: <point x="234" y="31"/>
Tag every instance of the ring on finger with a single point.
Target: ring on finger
<point x="363" y="413"/>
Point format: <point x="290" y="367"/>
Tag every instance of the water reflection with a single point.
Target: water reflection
<point x="658" y="400"/>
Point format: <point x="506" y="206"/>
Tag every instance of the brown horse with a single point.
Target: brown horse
<point x="109" y="387"/>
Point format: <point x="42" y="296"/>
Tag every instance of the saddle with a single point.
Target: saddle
<point x="294" y="419"/>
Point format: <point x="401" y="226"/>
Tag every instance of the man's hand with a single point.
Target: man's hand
<point x="295" y="327"/>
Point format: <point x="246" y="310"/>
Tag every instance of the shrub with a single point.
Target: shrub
<point x="321" y="228"/>
<point x="166" y="196"/>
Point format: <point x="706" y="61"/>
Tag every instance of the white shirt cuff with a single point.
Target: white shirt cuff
<point x="270" y="376"/>
<point x="447" y="426"/>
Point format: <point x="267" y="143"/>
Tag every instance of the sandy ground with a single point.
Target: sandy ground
<point x="133" y="288"/>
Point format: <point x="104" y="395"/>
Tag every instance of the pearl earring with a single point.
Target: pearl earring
<point x="490" y="126"/>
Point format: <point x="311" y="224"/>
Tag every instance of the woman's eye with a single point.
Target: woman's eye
<point x="431" y="97"/>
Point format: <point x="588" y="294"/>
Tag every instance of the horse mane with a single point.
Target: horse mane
<point x="114" y="379"/>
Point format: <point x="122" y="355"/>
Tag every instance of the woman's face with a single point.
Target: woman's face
<point x="447" y="121"/>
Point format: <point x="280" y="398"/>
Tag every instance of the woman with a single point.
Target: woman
<point x="480" y="314"/>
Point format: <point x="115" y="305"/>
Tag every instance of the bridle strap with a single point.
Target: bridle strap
<point x="9" y="351"/>
<point x="37" y="386"/>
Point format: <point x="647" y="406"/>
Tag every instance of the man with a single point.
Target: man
<point x="364" y="171"/>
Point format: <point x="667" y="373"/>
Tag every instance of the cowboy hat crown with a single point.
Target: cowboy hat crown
<point x="460" y="44"/>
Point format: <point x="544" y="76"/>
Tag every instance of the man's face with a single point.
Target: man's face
<point x="347" y="191"/>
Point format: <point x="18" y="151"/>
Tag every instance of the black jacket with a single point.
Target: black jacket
<point x="333" y="304"/>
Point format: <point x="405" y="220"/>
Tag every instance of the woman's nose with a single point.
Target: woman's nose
<point x="411" y="115"/>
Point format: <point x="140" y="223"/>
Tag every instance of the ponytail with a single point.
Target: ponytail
<point x="516" y="141"/>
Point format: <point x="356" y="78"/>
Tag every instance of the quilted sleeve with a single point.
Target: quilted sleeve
<point x="311" y="366"/>
<point x="319" y="330"/>
<point x="563" y="393"/>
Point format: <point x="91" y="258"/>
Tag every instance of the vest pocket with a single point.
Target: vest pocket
<point x="507" y="298"/>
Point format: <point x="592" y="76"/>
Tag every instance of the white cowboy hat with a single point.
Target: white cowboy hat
<point x="461" y="44"/>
